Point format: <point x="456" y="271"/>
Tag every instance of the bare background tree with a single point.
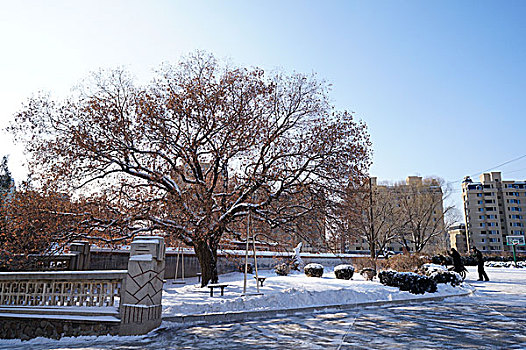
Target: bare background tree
<point x="422" y="211"/>
<point x="379" y="217"/>
<point x="369" y="214"/>
<point x="193" y="152"/>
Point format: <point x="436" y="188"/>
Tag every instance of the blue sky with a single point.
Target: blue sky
<point x="440" y="83"/>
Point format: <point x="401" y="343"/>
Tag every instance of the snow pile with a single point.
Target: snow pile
<point x="314" y="266"/>
<point x="520" y="264"/>
<point x="431" y="268"/>
<point x="344" y="267"/>
<point x="285" y="292"/>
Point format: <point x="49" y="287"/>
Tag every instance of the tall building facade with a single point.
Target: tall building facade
<point x="493" y="210"/>
<point x="458" y="238"/>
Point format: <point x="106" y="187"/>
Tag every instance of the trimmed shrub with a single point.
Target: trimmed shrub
<point x="313" y="270"/>
<point x="368" y="273"/>
<point x="241" y="268"/>
<point x="441" y="260"/>
<point x="282" y="269"/>
<point x="344" y="272"/>
<point x="440" y="274"/>
<point x="446" y="277"/>
<point x="408" y="281"/>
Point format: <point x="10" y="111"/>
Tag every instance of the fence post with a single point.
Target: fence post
<point x="81" y="260"/>
<point x="141" y="297"/>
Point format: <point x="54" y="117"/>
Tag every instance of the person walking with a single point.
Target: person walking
<point x="457" y="260"/>
<point x="480" y="265"/>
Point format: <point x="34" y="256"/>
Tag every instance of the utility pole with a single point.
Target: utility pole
<point x="246" y="255"/>
<point x="372" y="242"/>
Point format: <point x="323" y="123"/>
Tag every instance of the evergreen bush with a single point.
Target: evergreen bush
<point x="313" y="270"/>
<point x="408" y="281"/>
<point x="344" y="272"/>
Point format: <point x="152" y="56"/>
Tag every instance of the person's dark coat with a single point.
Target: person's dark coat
<point x="457" y="260"/>
<point x="480" y="265"/>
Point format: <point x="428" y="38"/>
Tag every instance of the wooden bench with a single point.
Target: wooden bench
<point x="198" y="276"/>
<point x="217" y="285"/>
<point x="261" y="279"/>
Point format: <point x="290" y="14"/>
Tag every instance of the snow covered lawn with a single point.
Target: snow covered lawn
<point x="507" y="285"/>
<point x="285" y="292"/>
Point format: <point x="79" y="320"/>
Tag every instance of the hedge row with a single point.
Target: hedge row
<point x="408" y="281"/>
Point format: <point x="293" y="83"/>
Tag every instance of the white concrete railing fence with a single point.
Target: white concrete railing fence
<point x="128" y="299"/>
<point x="62" y="288"/>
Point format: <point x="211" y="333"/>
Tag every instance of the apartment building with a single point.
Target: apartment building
<point x="493" y="210"/>
<point x="458" y="238"/>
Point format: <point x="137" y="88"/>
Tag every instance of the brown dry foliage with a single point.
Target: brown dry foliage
<point x="406" y="262"/>
<point x="367" y="262"/>
<point x="193" y="152"/>
<point x="401" y="263"/>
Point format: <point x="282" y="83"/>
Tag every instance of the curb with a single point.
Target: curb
<point x="252" y="315"/>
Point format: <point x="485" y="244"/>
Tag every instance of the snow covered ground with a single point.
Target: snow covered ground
<point x="285" y="292"/>
<point x="507" y="286"/>
<point x="387" y="325"/>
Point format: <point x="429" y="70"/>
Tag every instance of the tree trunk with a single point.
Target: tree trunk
<point x="372" y="248"/>
<point x="207" y="257"/>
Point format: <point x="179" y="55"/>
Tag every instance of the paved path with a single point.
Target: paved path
<point x="493" y="318"/>
<point x="463" y="323"/>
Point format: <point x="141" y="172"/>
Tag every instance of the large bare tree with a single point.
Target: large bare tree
<point x="421" y="207"/>
<point x="194" y="151"/>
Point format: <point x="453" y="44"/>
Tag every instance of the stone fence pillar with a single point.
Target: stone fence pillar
<point x="140" y="307"/>
<point x="81" y="260"/>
